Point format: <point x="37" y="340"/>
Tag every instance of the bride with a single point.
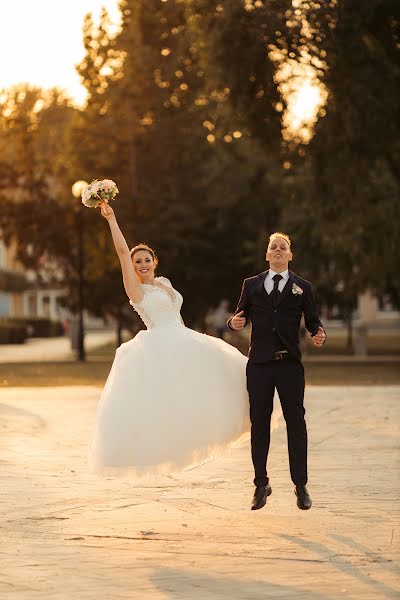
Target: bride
<point x="174" y="397"/>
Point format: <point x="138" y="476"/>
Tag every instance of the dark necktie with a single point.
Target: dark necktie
<point x="275" y="291"/>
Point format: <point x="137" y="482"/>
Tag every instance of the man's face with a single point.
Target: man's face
<point x="278" y="252"/>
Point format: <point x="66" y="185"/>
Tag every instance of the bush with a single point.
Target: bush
<point x="36" y="326"/>
<point x="12" y="333"/>
<point x="41" y="327"/>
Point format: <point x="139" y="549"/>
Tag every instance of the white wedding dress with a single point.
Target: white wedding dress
<point x="174" y="397"/>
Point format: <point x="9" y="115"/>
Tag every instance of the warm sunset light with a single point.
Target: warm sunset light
<point x="41" y="42"/>
<point x="304" y="95"/>
<point x="304" y="102"/>
<point x="303" y="106"/>
<point x="158" y="418"/>
<point x="298" y="81"/>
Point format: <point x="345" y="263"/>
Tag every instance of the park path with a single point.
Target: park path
<point x="54" y="349"/>
<point x="65" y="534"/>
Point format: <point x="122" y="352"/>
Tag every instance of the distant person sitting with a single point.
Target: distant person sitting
<point x="219" y="318"/>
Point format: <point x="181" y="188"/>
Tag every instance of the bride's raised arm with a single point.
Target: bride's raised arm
<point x="131" y="283"/>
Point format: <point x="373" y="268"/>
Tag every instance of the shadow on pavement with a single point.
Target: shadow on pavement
<point x="346" y="564"/>
<point x="181" y="584"/>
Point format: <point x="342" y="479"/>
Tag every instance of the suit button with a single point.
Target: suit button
<point x="273" y="329"/>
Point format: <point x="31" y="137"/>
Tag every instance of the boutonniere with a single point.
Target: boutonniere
<point x="297" y="290"/>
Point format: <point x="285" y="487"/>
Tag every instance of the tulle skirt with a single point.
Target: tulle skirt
<point x="174" y="398"/>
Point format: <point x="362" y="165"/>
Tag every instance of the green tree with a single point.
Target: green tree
<point x="352" y="184"/>
<point x="188" y="187"/>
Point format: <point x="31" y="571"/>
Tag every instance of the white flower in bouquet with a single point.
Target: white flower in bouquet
<point x="99" y="191"/>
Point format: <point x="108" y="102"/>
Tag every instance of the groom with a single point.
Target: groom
<point x="274" y="302"/>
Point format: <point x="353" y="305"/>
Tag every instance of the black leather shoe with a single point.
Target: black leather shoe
<point x="303" y="497"/>
<point x="261" y="494"/>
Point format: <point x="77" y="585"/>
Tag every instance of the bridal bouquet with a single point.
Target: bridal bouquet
<point x="99" y="191"/>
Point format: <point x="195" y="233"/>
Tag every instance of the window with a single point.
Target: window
<point x="32" y="305"/>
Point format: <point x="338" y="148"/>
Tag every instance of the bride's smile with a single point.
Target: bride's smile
<point x="143" y="264"/>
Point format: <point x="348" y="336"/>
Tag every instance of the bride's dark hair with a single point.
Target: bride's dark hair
<point x="146" y="248"/>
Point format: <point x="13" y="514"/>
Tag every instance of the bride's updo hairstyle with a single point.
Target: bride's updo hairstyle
<point x="145" y="248"/>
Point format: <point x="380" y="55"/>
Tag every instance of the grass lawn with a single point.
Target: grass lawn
<point x="96" y="369"/>
<point x="53" y="374"/>
<point x="334" y="372"/>
<point x="379" y="343"/>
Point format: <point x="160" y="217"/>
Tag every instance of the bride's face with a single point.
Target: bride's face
<point x="143" y="264"/>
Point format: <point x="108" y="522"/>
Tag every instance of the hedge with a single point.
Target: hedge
<point x="35" y="326"/>
<point x="12" y="334"/>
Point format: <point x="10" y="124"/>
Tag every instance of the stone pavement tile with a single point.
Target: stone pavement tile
<point x="66" y="534"/>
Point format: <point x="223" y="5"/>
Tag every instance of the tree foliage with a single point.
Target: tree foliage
<point x="351" y="187"/>
<point x="187" y="109"/>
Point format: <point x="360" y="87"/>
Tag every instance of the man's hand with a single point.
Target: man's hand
<point x="238" y="321"/>
<point x="319" y="338"/>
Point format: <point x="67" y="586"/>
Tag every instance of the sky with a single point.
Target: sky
<point x="41" y="41"/>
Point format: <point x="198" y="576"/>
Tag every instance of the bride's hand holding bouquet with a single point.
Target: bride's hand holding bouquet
<point x="106" y="211"/>
<point x="99" y="192"/>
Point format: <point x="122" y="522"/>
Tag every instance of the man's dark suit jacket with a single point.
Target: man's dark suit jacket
<point x="283" y="320"/>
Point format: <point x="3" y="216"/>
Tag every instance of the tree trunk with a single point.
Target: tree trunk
<point x="118" y="332"/>
<point x="118" y="328"/>
<point x="349" y="325"/>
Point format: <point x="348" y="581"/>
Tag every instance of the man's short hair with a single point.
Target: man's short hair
<point x="281" y="235"/>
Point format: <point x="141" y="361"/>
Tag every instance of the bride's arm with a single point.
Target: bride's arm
<point x="131" y="283"/>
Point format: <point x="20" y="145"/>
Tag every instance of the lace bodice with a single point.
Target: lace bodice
<point x="159" y="306"/>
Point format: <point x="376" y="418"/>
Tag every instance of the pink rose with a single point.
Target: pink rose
<point x="108" y="185"/>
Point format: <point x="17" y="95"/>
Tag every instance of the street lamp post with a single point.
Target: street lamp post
<point x="77" y="189"/>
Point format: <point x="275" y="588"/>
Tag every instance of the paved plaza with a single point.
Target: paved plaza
<point x="66" y="534"/>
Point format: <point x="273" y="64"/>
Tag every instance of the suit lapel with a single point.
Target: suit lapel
<point x="261" y="280"/>
<point x="287" y="289"/>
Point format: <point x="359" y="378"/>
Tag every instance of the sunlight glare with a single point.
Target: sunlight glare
<point x="298" y="79"/>
<point x="303" y="106"/>
<point x="42" y="42"/>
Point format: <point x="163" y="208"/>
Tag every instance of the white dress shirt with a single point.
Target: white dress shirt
<point x="269" y="282"/>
